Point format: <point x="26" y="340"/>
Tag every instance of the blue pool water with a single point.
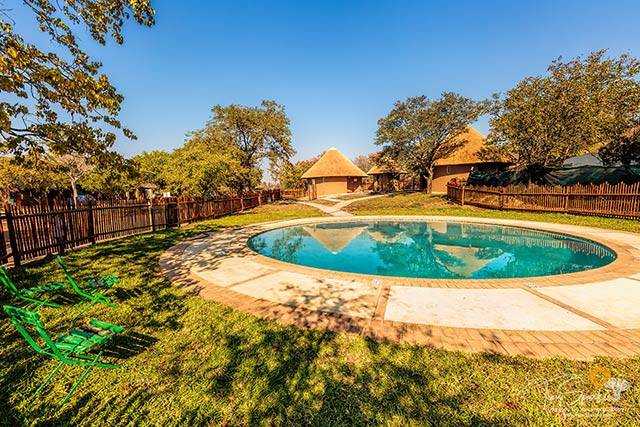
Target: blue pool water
<point x="442" y="250"/>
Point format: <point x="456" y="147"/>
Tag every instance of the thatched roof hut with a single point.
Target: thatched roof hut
<point x="460" y="163"/>
<point x="333" y="173"/>
<point x="333" y="164"/>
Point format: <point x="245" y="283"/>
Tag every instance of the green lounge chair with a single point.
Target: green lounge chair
<point x="77" y="348"/>
<point x="32" y="295"/>
<point x="95" y="282"/>
<point x="89" y="293"/>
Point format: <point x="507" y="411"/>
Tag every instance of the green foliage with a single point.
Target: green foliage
<point x="580" y="106"/>
<point x="113" y="176"/>
<point x="151" y="167"/>
<point x="61" y="103"/>
<point x="289" y="174"/>
<point x="625" y="150"/>
<point x="418" y="131"/>
<point x="253" y="134"/>
<point x="36" y="177"/>
<point x="206" y="167"/>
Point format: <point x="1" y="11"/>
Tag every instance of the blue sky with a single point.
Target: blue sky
<point x="337" y="66"/>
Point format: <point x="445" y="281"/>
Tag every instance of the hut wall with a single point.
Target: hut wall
<point x="336" y="185"/>
<point x="443" y="174"/>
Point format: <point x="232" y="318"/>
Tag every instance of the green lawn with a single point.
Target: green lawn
<point x="424" y="204"/>
<point x="187" y="361"/>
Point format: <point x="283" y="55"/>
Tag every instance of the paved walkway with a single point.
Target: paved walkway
<point x="577" y="315"/>
<point x="336" y="210"/>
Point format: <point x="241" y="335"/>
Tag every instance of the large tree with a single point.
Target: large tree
<point x="38" y="178"/>
<point x="151" y="167"/>
<point x="113" y="176"/>
<point x="289" y="174"/>
<point x="54" y="98"/>
<point x="419" y="131"/>
<point x="257" y="133"/>
<point x="206" y="166"/>
<point x="580" y="106"/>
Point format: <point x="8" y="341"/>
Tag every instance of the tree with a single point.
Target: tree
<point x="625" y="150"/>
<point x="206" y="167"/>
<point x="74" y="167"/>
<point x="256" y="133"/>
<point x="151" y="167"/>
<point x="418" y="131"/>
<point x="59" y="102"/>
<point x="580" y="106"/>
<point x="365" y="161"/>
<point x="289" y="174"/>
<point x="30" y="177"/>
<point x="113" y="176"/>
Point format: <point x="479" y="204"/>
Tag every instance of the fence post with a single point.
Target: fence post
<point x="462" y="195"/>
<point x="90" y="225"/>
<point x="12" y="237"/>
<point x="565" y="199"/>
<point x="241" y="203"/>
<point x="501" y="197"/>
<point x="152" y="220"/>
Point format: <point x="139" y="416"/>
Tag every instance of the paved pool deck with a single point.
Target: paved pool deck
<point x="578" y="315"/>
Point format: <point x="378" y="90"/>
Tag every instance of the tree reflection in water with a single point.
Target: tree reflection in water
<point x="433" y="250"/>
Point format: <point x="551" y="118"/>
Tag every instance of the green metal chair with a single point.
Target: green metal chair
<point x="77" y="348"/>
<point x="34" y="294"/>
<point x="89" y="293"/>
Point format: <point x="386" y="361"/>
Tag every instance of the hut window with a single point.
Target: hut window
<point x="448" y="169"/>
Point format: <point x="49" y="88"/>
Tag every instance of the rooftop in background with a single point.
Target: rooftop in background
<point x="333" y="163"/>
<point x="382" y="169"/>
<point x="468" y="153"/>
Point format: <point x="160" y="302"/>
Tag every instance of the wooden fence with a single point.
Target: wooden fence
<point x="294" y="193"/>
<point x="619" y="201"/>
<point x="32" y="232"/>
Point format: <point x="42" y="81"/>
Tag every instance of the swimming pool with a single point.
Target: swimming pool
<point x="432" y="249"/>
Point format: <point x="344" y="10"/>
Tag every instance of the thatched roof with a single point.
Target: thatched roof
<point x="333" y="238"/>
<point x="470" y="262"/>
<point x="468" y="153"/>
<point x="333" y="163"/>
<point x="380" y="170"/>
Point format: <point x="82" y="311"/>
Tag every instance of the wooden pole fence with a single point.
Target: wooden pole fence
<point x="35" y="231"/>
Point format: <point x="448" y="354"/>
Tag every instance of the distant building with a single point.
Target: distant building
<point x="386" y="178"/>
<point x="333" y="173"/>
<point x="460" y="163"/>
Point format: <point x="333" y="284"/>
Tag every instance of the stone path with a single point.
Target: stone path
<point x="336" y="210"/>
<point x="577" y="315"/>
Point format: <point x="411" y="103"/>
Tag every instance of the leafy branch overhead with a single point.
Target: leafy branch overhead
<point x="60" y="102"/>
<point x="586" y="105"/>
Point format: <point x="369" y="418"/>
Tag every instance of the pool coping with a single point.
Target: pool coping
<point x="584" y="344"/>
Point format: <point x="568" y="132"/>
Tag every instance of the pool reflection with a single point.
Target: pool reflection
<point x="432" y="250"/>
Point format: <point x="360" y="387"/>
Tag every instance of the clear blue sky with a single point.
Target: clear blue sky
<point x="338" y="66"/>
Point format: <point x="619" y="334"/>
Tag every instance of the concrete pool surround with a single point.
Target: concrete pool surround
<point x="577" y="315"/>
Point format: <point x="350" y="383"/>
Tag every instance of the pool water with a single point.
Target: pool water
<point x="440" y="250"/>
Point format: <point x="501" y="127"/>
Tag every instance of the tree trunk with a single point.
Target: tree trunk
<point x="426" y="180"/>
<point x="74" y="189"/>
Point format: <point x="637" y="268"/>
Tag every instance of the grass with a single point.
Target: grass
<point x="187" y="361"/>
<point x="424" y="204"/>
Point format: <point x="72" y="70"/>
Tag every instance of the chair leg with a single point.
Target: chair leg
<point x="80" y="380"/>
<point x="53" y="372"/>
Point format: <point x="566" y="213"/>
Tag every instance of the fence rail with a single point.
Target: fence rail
<point x="618" y="201"/>
<point x="31" y="232"/>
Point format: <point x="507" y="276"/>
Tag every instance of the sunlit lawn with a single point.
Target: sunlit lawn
<point x="424" y="204"/>
<point x="187" y="361"/>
